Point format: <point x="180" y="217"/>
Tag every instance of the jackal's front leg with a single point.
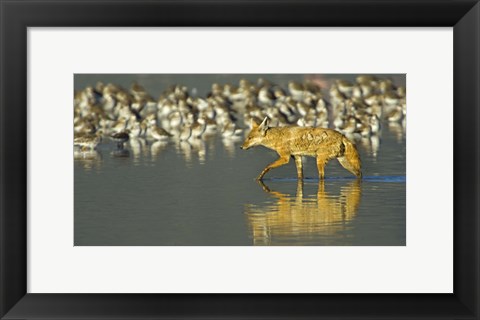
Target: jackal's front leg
<point x="298" y="162"/>
<point x="279" y="162"/>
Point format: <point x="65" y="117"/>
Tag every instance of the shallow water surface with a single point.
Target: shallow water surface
<point x="204" y="193"/>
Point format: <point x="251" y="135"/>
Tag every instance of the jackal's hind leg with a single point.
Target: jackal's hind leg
<point x="321" y="162"/>
<point x="347" y="165"/>
<point x="279" y="162"/>
<point x="298" y="163"/>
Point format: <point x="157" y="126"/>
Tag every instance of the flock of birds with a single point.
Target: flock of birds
<point x="358" y="109"/>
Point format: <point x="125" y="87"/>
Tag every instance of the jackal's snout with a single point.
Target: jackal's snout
<point x="248" y="143"/>
<point x="245" y="146"/>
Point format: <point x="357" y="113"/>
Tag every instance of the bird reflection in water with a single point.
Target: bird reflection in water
<point x="398" y="130"/>
<point x="230" y="145"/>
<point x="371" y="145"/>
<point x="136" y="145"/>
<point x="157" y="148"/>
<point x="120" y="153"/>
<point x="199" y="147"/>
<point x="298" y="219"/>
<point x="185" y="149"/>
<point x="193" y="149"/>
<point x="89" y="159"/>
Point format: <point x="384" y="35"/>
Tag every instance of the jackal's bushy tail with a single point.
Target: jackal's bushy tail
<point x="351" y="159"/>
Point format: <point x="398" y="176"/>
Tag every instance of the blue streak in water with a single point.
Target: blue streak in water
<point x="390" y="179"/>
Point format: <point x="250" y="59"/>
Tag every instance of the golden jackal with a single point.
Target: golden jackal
<point x="324" y="144"/>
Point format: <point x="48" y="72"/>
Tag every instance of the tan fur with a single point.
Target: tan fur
<point x="324" y="144"/>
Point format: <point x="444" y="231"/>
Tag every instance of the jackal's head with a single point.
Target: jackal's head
<point x="256" y="135"/>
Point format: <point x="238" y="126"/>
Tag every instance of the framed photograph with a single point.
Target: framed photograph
<point x="239" y="159"/>
<point x="188" y="141"/>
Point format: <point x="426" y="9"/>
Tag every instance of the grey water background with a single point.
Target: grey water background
<point x="170" y="194"/>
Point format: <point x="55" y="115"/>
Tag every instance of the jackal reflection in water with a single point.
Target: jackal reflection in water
<point x="299" y="219"/>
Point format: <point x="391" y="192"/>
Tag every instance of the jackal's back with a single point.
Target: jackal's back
<point x="304" y="141"/>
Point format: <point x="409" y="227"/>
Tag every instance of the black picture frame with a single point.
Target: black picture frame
<point x="17" y="15"/>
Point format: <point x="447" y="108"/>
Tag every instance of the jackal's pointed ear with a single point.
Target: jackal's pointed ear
<point x="254" y="124"/>
<point x="263" y="127"/>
